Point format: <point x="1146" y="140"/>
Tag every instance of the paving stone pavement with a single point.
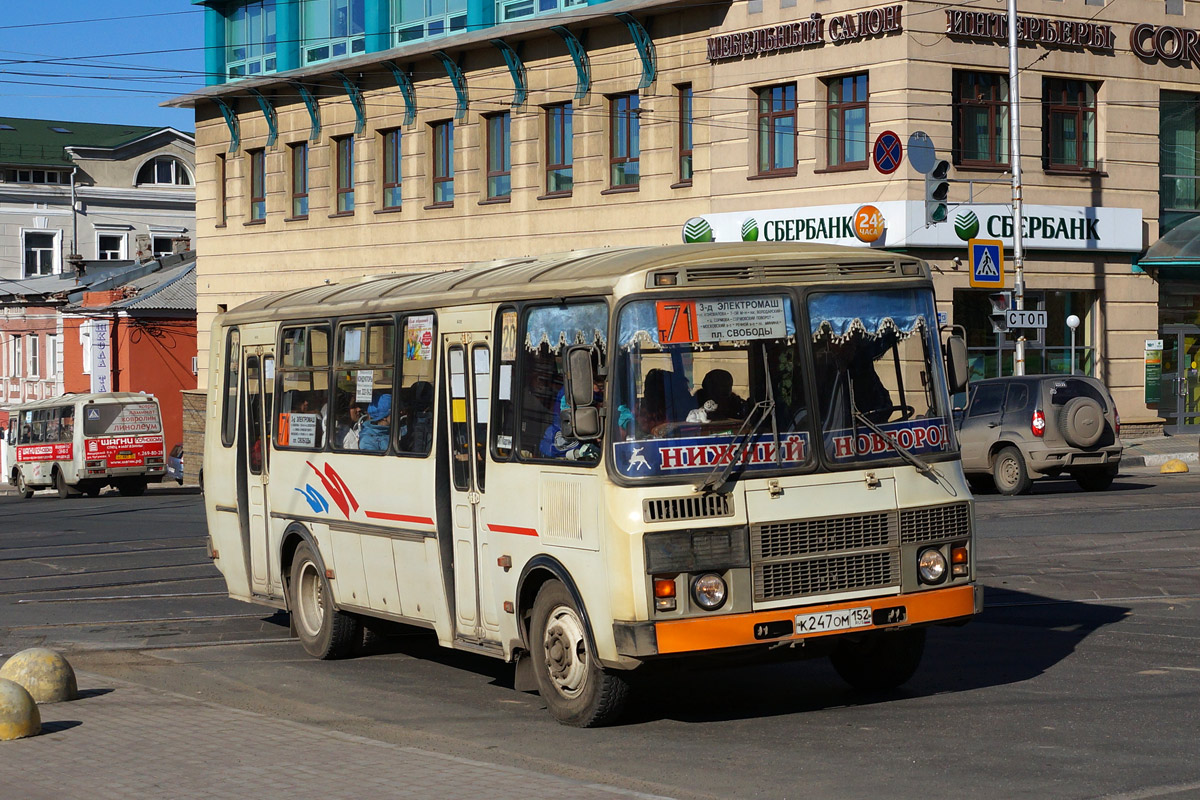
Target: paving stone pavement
<point x="126" y="741"/>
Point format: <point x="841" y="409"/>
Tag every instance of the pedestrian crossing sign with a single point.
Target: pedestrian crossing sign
<point x="93" y="414"/>
<point x="987" y="263"/>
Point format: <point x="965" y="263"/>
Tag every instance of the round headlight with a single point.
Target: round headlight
<point x="931" y="565"/>
<point x="709" y="591"/>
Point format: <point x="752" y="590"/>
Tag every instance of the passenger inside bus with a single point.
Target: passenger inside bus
<point x="556" y="443"/>
<point x="717" y="387"/>
<point x="374" y="435"/>
<point x="350" y="428"/>
<point x="416" y="422"/>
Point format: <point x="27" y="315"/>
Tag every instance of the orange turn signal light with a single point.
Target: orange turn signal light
<point x="664" y="587"/>
<point x="958" y="555"/>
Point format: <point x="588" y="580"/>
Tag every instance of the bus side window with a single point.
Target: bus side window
<point x="233" y="360"/>
<point x="303" y="367"/>
<point x="548" y="331"/>
<point x="66" y="430"/>
<point x="362" y="391"/>
<point x="415" y="400"/>
<point x="504" y="400"/>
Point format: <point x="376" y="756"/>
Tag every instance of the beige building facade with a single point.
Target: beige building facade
<point x="764" y="119"/>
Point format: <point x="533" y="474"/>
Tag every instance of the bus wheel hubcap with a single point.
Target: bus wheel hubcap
<point x="566" y="652"/>
<point x="311" y="601"/>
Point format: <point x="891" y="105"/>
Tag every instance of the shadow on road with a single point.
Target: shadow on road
<point x="1018" y="637"/>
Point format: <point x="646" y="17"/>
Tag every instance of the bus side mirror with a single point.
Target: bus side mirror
<point x="581" y="420"/>
<point x="957" y="367"/>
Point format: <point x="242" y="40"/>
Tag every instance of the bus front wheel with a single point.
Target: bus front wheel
<point x="324" y="631"/>
<point x="577" y="690"/>
<point x="881" y="661"/>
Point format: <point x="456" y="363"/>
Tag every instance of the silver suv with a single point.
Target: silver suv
<point x="1019" y="428"/>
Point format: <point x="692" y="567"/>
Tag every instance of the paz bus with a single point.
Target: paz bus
<point x="589" y="462"/>
<point x="80" y="443"/>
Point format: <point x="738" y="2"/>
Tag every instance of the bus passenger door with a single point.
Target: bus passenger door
<point x="259" y="372"/>
<point x="468" y="359"/>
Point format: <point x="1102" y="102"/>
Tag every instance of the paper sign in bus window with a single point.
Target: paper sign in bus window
<point x="352" y="346"/>
<point x="418" y="338"/>
<point x="364" y="386"/>
<point x="720" y="319"/>
<point x="303" y="431"/>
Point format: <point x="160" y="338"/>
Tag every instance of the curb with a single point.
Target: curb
<point x="1158" y="459"/>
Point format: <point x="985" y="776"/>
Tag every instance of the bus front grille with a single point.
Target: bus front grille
<point x="824" y="535"/>
<point x="819" y="576"/>
<point x="932" y="523"/>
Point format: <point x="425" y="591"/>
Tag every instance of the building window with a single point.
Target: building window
<point x="344" y="148"/>
<point x="39" y="254"/>
<point x="443" y="162"/>
<point x="625" y="150"/>
<point x="37" y="176"/>
<point x="34" y="355"/>
<point x="981" y="119"/>
<point x="332" y="29"/>
<point x="300" y="180"/>
<point x="251" y="38"/>
<point x="846" y="122"/>
<point x="17" y="362"/>
<point x="164" y="171"/>
<point x="686" y="121"/>
<point x="222" y="191"/>
<point x="110" y="247"/>
<point x="1070" y="124"/>
<point x="258" y="184"/>
<point x="499" y="156"/>
<point x="1178" y="164"/>
<point x="777" y="130"/>
<point x="990" y="354"/>
<point x="509" y="10"/>
<point x="392" y="173"/>
<point x="162" y="246"/>
<point x="559" y="149"/>
<point x="421" y="19"/>
<point x="51" y="355"/>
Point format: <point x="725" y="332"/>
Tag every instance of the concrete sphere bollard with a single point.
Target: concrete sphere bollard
<point x="19" y="715"/>
<point x="1174" y="465"/>
<point x="44" y="673"/>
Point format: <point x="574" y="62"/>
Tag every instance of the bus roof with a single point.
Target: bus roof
<point x="581" y="272"/>
<point x="84" y="397"/>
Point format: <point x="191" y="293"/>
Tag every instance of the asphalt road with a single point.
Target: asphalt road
<point x="1081" y="678"/>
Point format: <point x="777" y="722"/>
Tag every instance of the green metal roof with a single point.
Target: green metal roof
<point x="34" y="142"/>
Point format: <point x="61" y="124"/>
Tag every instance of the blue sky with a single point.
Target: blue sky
<point x="112" y="62"/>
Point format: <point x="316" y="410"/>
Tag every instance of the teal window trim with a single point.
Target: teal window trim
<point x="251" y="39"/>
<point x="583" y="66"/>
<point x="514" y="10"/>
<point x="516" y="68"/>
<point x="414" y="20"/>
<point x="326" y="37"/>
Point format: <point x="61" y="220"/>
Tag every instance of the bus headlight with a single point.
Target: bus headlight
<point x="931" y="565"/>
<point x="709" y="591"/>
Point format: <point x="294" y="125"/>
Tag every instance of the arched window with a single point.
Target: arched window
<point x="164" y="171"/>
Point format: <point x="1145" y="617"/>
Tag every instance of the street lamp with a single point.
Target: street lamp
<point x="1072" y="323"/>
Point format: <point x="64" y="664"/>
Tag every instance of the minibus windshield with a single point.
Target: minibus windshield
<point x="877" y="374"/>
<point x="703" y="382"/>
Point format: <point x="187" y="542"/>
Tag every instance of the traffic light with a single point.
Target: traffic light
<point x="937" y="189"/>
<point x="1000" y="303"/>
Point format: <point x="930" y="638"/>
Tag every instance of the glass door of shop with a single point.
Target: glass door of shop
<point x="1179" y="398"/>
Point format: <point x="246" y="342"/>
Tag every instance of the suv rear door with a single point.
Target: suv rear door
<point x="981" y="425"/>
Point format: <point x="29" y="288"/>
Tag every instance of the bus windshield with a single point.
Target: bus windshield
<point x="877" y="374"/>
<point x="700" y="383"/>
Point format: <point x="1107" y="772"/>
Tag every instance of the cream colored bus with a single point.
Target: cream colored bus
<point x="592" y="461"/>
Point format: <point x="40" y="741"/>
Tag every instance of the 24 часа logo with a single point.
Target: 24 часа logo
<point x="966" y="226"/>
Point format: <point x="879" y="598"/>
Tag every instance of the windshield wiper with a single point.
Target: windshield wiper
<point x="720" y="473"/>
<point x="923" y="467"/>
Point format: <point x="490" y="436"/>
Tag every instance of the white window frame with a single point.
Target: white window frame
<point x="17" y="356"/>
<point x="511" y="10"/>
<point x="260" y="18"/>
<point x="352" y="44"/>
<point x="452" y="20"/>
<point x="122" y="252"/>
<point x="177" y="166"/>
<point x="55" y="251"/>
<point x="154" y="240"/>
<point x="52" y="355"/>
<point x="34" y="354"/>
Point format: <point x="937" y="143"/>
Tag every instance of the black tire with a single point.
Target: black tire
<point x="22" y="487"/>
<point x="880" y="661"/>
<point x="1094" y="480"/>
<point x="1081" y="422"/>
<point x="577" y="690"/>
<point x="60" y="483"/>
<point x="325" y="632"/>
<point x="1009" y="472"/>
<point x="132" y="487"/>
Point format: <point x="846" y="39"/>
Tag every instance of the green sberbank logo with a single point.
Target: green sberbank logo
<point x="966" y="226"/>
<point x="750" y="230"/>
<point x="697" y="230"/>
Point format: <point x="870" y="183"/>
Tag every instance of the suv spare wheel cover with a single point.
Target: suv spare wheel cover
<point x="1082" y="421"/>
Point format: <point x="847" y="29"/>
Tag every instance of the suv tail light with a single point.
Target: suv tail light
<point x="1038" y="423"/>
<point x="1117" y="419"/>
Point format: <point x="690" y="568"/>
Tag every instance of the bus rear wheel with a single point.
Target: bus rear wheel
<point x="325" y="632"/>
<point x="578" y="691"/>
<point x="880" y="661"/>
<point x="60" y="483"/>
<point x="22" y="487"/>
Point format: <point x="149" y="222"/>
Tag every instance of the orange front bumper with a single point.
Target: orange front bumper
<point x="735" y="630"/>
